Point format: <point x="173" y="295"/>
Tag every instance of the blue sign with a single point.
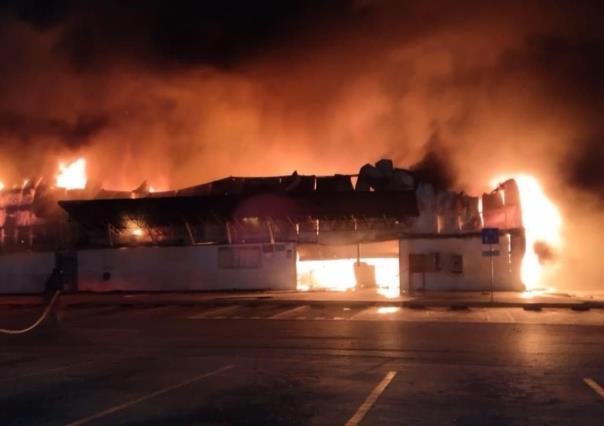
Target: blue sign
<point x="490" y="235"/>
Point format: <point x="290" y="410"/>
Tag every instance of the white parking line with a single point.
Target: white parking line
<point x="220" y="310"/>
<point x="594" y="386"/>
<point x="362" y="311"/>
<point x="510" y="316"/>
<point x="289" y="311"/>
<point x="45" y="372"/>
<point x="373" y="396"/>
<point x="147" y="397"/>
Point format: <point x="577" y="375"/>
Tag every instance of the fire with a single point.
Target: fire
<point x="72" y="175"/>
<point x="338" y="275"/>
<point x="542" y="224"/>
<point x="134" y="229"/>
<point x="137" y="232"/>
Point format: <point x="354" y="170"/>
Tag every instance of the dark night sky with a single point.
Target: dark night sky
<point x="193" y="90"/>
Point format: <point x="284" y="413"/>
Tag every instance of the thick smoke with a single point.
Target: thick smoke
<point x="434" y="166"/>
<point x="181" y="92"/>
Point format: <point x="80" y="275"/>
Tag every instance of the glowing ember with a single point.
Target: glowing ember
<point x="542" y="226"/>
<point x="1" y="186"/>
<point x="72" y="175"/>
<point x="134" y="229"/>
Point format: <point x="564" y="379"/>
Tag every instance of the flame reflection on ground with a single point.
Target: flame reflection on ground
<point x="384" y="310"/>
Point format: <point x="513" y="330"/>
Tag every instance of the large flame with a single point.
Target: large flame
<point x="542" y="224"/>
<point x="338" y="275"/>
<point x="72" y="175"/>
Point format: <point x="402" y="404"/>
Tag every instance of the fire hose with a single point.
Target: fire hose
<point x="39" y="320"/>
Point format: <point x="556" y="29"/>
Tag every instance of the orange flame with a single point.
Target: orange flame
<point x="542" y="224"/>
<point x="338" y="275"/>
<point x="72" y="175"/>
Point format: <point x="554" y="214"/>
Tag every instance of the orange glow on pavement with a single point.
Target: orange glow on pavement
<point x="384" y="310"/>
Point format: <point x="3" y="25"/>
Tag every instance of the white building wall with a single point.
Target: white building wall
<point x="25" y="272"/>
<point x="182" y="268"/>
<point x="476" y="275"/>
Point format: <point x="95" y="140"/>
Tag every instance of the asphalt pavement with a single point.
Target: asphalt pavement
<point x="247" y="362"/>
<point x="543" y="299"/>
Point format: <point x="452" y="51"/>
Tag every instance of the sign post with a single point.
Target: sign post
<point x="490" y="236"/>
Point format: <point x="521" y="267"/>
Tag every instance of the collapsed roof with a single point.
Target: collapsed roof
<point x="377" y="191"/>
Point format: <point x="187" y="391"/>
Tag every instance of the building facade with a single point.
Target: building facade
<point x="381" y="230"/>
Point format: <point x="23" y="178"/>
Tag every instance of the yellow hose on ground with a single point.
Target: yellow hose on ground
<point x="38" y="322"/>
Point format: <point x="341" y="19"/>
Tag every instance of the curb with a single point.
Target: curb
<point x="457" y="305"/>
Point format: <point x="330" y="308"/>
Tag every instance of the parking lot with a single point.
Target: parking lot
<point x="258" y="363"/>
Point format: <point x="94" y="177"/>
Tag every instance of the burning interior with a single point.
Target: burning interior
<point x="383" y="229"/>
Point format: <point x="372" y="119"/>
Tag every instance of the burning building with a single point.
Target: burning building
<point x="383" y="229"/>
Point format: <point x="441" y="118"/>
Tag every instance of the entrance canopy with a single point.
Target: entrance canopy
<point x="174" y="210"/>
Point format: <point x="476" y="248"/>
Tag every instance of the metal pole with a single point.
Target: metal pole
<point x="190" y="233"/>
<point x="492" y="271"/>
<point x="228" y="230"/>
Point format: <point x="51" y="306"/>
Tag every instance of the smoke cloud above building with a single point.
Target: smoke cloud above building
<point x="194" y="90"/>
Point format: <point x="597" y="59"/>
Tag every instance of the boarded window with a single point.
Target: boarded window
<point x="239" y="257"/>
<point x="435" y="261"/>
<point x="417" y="263"/>
<point x="430" y="262"/>
<point x="457" y="263"/>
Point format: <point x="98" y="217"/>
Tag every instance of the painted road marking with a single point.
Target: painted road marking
<point x="147" y="397"/>
<point x="510" y="316"/>
<point x="221" y="310"/>
<point x="362" y="311"/>
<point x="373" y="396"/>
<point x="289" y="311"/>
<point x="594" y="386"/>
<point x="496" y="315"/>
<point x="45" y="372"/>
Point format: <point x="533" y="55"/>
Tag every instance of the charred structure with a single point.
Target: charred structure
<point x="383" y="220"/>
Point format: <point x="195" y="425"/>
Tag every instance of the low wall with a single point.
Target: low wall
<point x="187" y="268"/>
<point x="476" y="273"/>
<point x="25" y="272"/>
